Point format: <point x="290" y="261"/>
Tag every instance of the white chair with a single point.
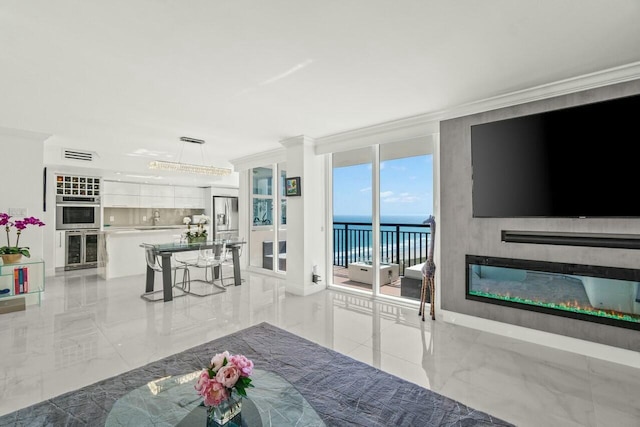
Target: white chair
<point x="209" y="259"/>
<point x="153" y="261"/>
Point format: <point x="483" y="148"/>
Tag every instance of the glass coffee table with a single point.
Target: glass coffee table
<point x="173" y="401"/>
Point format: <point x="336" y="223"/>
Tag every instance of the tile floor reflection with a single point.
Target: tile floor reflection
<point x="88" y="329"/>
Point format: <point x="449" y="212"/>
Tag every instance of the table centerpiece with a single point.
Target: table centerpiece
<point x="223" y="384"/>
<point x="199" y="235"/>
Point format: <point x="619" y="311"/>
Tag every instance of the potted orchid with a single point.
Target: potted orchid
<point x="223" y="384"/>
<point x="200" y="233"/>
<point x="14" y="253"/>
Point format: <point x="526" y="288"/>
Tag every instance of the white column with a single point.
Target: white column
<point x="305" y="217"/>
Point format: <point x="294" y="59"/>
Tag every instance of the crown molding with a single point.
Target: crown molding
<point x="391" y="131"/>
<point x="611" y="76"/>
<point x="429" y="123"/>
<point x="297" y="140"/>
<point x="259" y="159"/>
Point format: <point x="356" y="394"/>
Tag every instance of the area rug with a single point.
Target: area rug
<point x="343" y="391"/>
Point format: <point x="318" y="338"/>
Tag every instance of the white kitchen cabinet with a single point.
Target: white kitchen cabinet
<point x="131" y="195"/>
<point x="60" y="248"/>
<point x="121" y="188"/>
<point x="157" y="190"/>
<point x="189" y="202"/>
<point x="189" y="197"/>
<point x="189" y="192"/>
<point x="157" y="202"/>
<point x="120" y="201"/>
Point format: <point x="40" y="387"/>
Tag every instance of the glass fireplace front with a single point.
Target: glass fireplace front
<point x="606" y="295"/>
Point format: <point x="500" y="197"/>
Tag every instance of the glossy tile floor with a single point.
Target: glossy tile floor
<point x="88" y="329"/>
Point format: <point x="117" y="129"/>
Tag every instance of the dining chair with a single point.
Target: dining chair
<point x="209" y="258"/>
<point x="153" y="261"/>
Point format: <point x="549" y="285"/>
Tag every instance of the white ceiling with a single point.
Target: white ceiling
<point x="127" y="78"/>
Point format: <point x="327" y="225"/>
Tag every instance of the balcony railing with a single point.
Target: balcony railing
<point x="401" y="244"/>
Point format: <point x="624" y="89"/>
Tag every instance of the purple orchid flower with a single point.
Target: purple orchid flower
<point x="19" y="225"/>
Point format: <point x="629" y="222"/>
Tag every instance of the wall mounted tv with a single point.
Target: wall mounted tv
<point x="573" y="162"/>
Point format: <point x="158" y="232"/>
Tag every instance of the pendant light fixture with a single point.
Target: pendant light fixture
<point x="189" y="167"/>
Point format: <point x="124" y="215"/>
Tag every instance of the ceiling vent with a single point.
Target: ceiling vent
<point x="86" y="156"/>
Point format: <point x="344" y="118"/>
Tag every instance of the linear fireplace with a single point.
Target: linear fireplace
<point x="599" y="294"/>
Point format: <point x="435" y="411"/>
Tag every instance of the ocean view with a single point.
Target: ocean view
<point x="385" y="219"/>
<point x="405" y="242"/>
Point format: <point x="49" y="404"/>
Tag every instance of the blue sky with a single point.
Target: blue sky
<point x="406" y="188"/>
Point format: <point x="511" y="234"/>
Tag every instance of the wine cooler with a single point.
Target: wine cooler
<point x="82" y="249"/>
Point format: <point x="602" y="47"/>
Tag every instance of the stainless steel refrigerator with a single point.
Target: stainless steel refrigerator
<point x="225" y="217"/>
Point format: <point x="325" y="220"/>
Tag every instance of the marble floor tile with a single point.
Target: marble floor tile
<point x="88" y="329"/>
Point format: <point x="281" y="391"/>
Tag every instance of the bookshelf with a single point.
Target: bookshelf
<point x="20" y="280"/>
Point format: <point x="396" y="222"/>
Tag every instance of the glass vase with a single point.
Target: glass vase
<point x="225" y="412"/>
<point x="199" y="239"/>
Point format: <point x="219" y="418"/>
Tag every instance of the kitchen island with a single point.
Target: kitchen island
<point x="120" y="253"/>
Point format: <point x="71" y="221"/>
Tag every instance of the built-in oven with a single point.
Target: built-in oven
<point x="75" y="212"/>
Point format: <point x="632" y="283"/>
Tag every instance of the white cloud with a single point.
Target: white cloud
<point x="386" y="194"/>
<point x="401" y="198"/>
<point x="366" y="189"/>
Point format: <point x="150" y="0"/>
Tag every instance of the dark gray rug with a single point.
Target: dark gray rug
<point x="343" y="391"/>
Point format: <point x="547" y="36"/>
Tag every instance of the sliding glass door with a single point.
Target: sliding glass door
<point x="352" y="219"/>
<point x="396" y="179"/>
<point x="406" y="201"/>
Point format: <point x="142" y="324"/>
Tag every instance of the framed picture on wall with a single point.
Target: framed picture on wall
<point x="293" y="186"/>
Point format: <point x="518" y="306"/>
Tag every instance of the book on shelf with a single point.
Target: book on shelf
<point x="21" y="280"/>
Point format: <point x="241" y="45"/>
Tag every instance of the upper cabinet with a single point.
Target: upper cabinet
<point x="156" y="190"/>
<point x="132" y="195"/>
<point x="156" y="196"/>
<point x="123" y="188"/>
<point x="120" y="194"/>
<point x="191" y="192"/>
<point x="189" y="197"/>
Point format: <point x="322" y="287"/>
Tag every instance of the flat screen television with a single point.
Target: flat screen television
<point x="574" y="162"/>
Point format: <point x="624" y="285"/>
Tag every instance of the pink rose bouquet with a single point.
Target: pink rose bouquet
<point x="225" y="373"/>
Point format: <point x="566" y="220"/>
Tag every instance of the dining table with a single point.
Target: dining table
<point x="166" y="250"/>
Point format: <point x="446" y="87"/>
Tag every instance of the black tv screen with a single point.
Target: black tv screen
<point x="573" y="162"/>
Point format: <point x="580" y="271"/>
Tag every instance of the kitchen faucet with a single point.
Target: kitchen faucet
<point x="156" y="217"/>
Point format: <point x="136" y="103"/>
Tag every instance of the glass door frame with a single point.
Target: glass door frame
<point x="374" y="160"/>
<point x="276" y="199"/>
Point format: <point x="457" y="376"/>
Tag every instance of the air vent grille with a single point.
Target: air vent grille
<point x="78" y="155"/>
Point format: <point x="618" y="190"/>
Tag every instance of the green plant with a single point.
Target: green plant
<point x="19" y="225"/>
<point x="200" y="230"/>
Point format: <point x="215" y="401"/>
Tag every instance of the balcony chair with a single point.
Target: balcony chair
<point x="208" y="259"/>
<point x="153" y="261"/>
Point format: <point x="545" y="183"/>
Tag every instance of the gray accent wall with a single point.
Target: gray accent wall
<point x="460" y="234"/>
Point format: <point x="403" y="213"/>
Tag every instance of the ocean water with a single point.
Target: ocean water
<point x="384" y="219"/>
<point x="410" y="242"/>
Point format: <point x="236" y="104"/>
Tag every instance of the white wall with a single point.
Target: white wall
<point x="21" y="175"/>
